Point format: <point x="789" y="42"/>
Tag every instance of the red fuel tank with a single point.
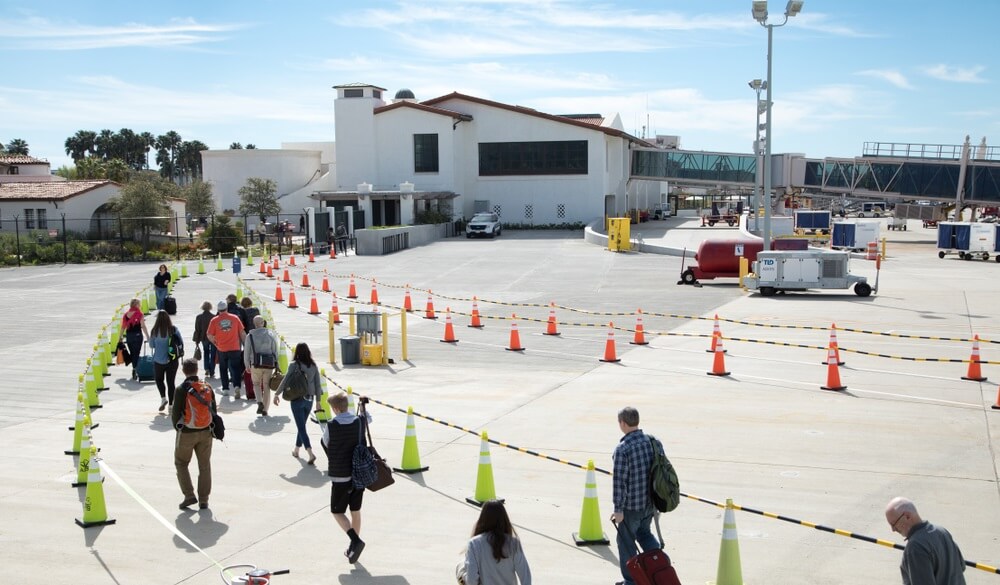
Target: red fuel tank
<point x="721" y="258"/>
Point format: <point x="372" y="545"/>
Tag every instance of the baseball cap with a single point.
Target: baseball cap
<point x="222" y="305"/>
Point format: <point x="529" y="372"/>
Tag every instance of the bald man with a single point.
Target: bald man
<point x="931" y="556"/>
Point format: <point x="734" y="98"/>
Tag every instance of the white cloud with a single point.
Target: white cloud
<point x="889" y="75"/>
<point x="44" y="34"/>
<point x="956" y="74"/>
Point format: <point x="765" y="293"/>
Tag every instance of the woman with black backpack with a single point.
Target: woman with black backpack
<point x="300" y="385"/>
<point x="168" y="347"/>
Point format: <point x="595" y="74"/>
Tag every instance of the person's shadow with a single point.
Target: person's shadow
<point x="359" y="574"/>
<point x="268" y="425"/>
<point x="200" y="528"/>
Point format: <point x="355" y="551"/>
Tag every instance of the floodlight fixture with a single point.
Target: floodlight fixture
<point x="793" y="7"/>
<point x="756" y="84"/>
<point x="760" y="11"/>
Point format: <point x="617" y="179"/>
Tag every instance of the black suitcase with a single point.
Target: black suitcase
<point x="651" y="567"/>
<point x="170" y="305"/>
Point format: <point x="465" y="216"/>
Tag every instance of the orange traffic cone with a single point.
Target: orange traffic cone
<point x="313" y="306"/>
<point x="326" y="284"/>
<point x="475" y="323"/>
<point x="336" y="311"/>
<point x="449" y="329"/>
<point x="716" y="335"/>
<point x="719" y="363"/>
<point x="263" y="266"/>
<point x="975" y="373"/>
<point x="292" y="303"/>
<point x="609" y="347"/>
<point x="311" y="257"/>
<point x="515" y="337"/>
<point x="274" y="263"/>
<point x="429" y="312"/>
<point x="997" y="405"/>
<point x="285" y="277"/>
<point x="305" y="279"/>
<point x="407" y="301"/>
<point x="374" y="297"/>
<point x="333" y="252"/>
<point x="352" y="291"/>
<point x="291" y="260"/>
<point x="832" y="372"/>
<point x="550" y="328"/>
<point x="640" y="335"/>
<point x="270" y="271"/>
<point x="833" y="344"/>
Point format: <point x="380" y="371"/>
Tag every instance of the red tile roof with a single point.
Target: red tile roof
<point x="20" y="159"/>
<point x="425" y="108"/>
<point x="53" y="191"/>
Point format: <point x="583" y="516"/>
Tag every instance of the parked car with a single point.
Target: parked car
<point x="483" y="224"/>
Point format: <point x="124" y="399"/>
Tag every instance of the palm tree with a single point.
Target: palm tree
<point x="149" y="141"/>
<point x="189" y="159"/>
<point x="104" y="144"/>
<point x="166" y="154"/>
<point x="17" y="146"/>
<point x="251" y="146"/>
<point x="80" y="144"/>
<point x="235" y="146"/>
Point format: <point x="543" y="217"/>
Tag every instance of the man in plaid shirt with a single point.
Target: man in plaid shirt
<point x="632" y="460"/>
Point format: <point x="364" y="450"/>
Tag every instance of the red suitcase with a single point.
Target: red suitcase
<point x="651" y="567"/>
<point x="248" y="385"/>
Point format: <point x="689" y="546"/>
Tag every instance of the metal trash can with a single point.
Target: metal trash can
<point x="237" y="265"/>
<point x="350" y="350"/>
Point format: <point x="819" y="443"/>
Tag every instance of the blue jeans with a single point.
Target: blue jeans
<point x="634" y="526"/>
<point x="208" y="355"/>
<point x="300" y="412"/>
<point x="231" y="368"/>
<point x="161" y="295"/>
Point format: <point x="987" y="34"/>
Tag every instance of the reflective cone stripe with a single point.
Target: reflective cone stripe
<point x="719" y="362"/>
<point x="411" y="455"/>
<point x="263" y="266"/>
<point x="312" y="258"/>
<point x="313" y="306"/>
<point x="609" y="347"/>
<point x="407" y="301"/>
<point x="352" y="291"/>
<point x="515" y="337"/>
<point x="449" y="329"/>
<point x="590" y="517"/>
<point x="336" y="311"/>
<point x="833" y="344"/>
<point x="716" y="334"/>
<point x="485" y="491"/>
<point x="95" y="511"/>
<point x="374" y="296"/>
<point x="550" y="328"/>
<point x="730" y="571"/>
<point x="305" y="280"/>
<point x="640" y="334"/>
<point x="975" y="372"/>
<point x="475" y="322"/>
<point x="325" y="287"/>
<point x="78" y="425"/>
<point x="429" y="310"/>
<point x="278" y="297"/>
<point x="90" y="387"/>
<point x="832" y="372"/>
<point x="292" y="303"/>
<point x="83" y="465"/>
<point x="997" y="405"/>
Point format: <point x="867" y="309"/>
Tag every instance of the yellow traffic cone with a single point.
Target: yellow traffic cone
<point x="83" y="465"/>
<point x="78" y="425"/>
<point x="730" y="572"/>
<point x="100" y="370"/>
<point x="350" y="400"/>
<point x="90" y="386"/>
<point x="144" y="304"/>
<point x="283" y="357"/>
<point x="590" y="518"/>
<point x="95" y="513"/>
<point x="218" y="265"/>
<point x="201" y="265"/>
<point x="323" y="413"/>
<point x="411" y="455"/>
<point x="250" y="257"/>
<point x="484" y="478"/>
<point x="184" y="270"/>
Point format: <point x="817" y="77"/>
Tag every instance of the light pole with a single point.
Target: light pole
<point x="757" y="85"/>
<point x="760" y="15"/>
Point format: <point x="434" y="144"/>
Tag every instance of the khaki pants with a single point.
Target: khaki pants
<point x="262" y="385"/>
<point x="198" y="443"/>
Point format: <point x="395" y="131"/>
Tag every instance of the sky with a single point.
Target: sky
<point x="845" y="72"/>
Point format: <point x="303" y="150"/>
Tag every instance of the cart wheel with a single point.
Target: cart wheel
<point x="730" y="223"/>
<point x="767" y="291"/>
<point x="904" y="228"/>
<point x="961" y="255"/>
<point x="967" y="257"/>
<point x="687" y="277"/>
<point x="997" y="257"/>
<point x="863" y="289"/>
<point x="940" y="254"/>
<point x="711" y="224"/>
<point x="986" y="255"/>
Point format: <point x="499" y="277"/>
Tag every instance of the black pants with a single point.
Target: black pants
<point x="168" y="371"/>
<point x="133" y="341"/>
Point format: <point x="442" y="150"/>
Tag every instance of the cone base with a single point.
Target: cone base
<point x="92" y="427"/>
<point x="352" y="297"/>
<point x="638" y="343"/>
<point x="314" y="312"/>
<point x="828" y="363"/>
<point x="77" y="452"/>
<point x="83" y="524"/>
<point x="980" y="379"/>
<point x="713" y="351"/>
<point x="581" y="542"/>
<point x="718" y="373"/>
<point x="553" y="334"/>
<point x="479" y="504"/>
<point x="994" y="407"/>
<point x="337" y="322"/>
<point x="833" y="388"/>
<point x="614" y="361"/>
<point x="279" y="300"/>
<point x="103" y="389"/>
<point x="95" y="407"/>
<point x="431" y="318"/>
<point x="448" y="340"/>
<point x="514" y="348"/>
<point x="78" y="484"/>
<point x="417" y="470"/>
<point x="476" y="326"/>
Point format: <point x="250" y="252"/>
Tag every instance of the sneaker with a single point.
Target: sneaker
<point x="188" y="502"/>
<point x="238" y="396"/>
<point x="163" y="404"/>
<point x="354" y="551"/>
<point x="203" y="506"/>
<point x="260" y="408"/>
<point x="225" y="391"/>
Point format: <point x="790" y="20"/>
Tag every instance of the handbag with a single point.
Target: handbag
<point x="261" y="360"/>
<point x="383" y="473"/>
<point x="276" y="379"/>
<point x="120" y="353"/>
<point x="197" y="352"/>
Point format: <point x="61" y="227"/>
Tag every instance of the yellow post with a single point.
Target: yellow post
<point x="385" y="338"/>
<point x="402" y="335"/>
<point x="350" y="320"/>
<point x="883" y="248"/>
<point x="744" y="270"/>
<point x="333" y="346"/>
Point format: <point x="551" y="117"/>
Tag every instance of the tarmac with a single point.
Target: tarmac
<point x="766" y="436"/>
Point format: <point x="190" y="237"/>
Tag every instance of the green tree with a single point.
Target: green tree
<point x="189" y="160"/>
<point x="199" y="199"/>
<point x="149" y="141"/>
<point x="166" y="153"/>
<point x="68" y="173"/>
<point x="91" y="167"/>
<point x="236" y="146"/>
<point x="143" y="202"/>
<point x="221" y="235"/>
<point x="251" y="146"/>
<point x="80" y="144"/>
<point x="116" y="170"/>
<point x="17" y="146"/>
<point x="258" y="197"/>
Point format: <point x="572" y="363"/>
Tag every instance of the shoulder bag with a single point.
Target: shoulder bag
<point x="383" y="472"/>
<point x="261" y="360"/>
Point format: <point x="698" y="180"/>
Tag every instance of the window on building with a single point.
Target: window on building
<point x="13" y="171"/>
<point x="425" y="153"/>
<point x="564" y="157"/>
<point x="29" y="219"/>
<point x="353" y="93"/>
<point x="43" y="222"/>
<point x="377" y="94"/>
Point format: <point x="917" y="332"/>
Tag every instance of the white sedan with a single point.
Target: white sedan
<point x="483" y="224"/>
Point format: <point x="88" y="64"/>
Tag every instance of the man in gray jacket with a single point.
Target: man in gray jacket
<point x="931" y="556"/>
<point x="260" y="357"/>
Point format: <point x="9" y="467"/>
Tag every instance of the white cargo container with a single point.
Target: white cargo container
<point x="784" y="270"/>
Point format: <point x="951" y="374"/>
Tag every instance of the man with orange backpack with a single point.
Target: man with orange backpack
<point x="191" y="413"/>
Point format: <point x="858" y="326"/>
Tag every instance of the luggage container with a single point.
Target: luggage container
<point x="812" y="222"/>
<point x="854" y="235"/>
<point x="721" y="258"/>
<point x="779" y="271"/>
<point x="996" y="242"/>
<point x="968" y="239"/>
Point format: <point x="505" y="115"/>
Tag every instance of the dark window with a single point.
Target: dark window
<point x="29" y="219"/>
<point x="568" y="157"/>
<point x="43" y="221"/>
<point x="352" y="93"/>
<point x="13" y="171"/>
<point x="425" y="153"/>
<point x="377" y="94"/>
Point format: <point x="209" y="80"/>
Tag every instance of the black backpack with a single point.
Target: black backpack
<point x="664" y="486"/>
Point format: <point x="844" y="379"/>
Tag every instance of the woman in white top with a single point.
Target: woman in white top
<point x="494" y="555"/>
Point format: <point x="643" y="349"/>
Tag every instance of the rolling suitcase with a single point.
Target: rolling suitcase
<point x="144" y="366"/>
<point x="248" y="385"/>
<point x="170" y="305"/>
<point x="651" y="567"/>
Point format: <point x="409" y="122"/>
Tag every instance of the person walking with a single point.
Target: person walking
<point x="260" y="358"/>
<point x="167" y="345"/>
<point x="342" y="435"/>
<point x="226" y="332"/>
<point x="134" y="326"/>
<point x="160" y="285"/>
<point x="191" y="414"/>
<point x="633" y="458"/>
<point x="931" y="556"/>
<point x="342" y="239"/>
<point x="201" y="323"/>
<point x="494" y="555"/>
<point x="300" y="386"/>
